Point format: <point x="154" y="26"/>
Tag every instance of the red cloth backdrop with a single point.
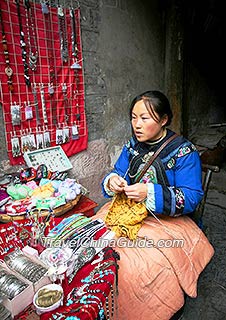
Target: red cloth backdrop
<point x="48" y="43"/>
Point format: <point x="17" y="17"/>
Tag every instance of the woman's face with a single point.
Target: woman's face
<point x="144" y="126"/>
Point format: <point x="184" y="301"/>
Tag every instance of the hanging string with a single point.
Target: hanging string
<point x="31" y="35"/>
<point x="23" y="46"/>
<point x="8" y="69"/>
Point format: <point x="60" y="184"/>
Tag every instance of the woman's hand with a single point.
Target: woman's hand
<point x="116" y="184"/>
<point x="137" y="191"/>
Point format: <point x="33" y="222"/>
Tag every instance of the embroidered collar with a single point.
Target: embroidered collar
<point x="158" y="140"/>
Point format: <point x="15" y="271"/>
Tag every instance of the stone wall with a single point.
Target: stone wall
<point x="123" y="48"/>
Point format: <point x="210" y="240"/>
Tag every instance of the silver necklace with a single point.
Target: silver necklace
<point x="33" y="55"/>
<point x="63" y="34"/>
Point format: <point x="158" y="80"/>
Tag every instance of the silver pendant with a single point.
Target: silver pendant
<point x="147" y="156"/>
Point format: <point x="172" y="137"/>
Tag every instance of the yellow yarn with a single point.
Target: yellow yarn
<point x="125" y="216"/>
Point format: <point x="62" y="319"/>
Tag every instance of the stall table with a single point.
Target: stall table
<point x="103" y="291"/>
<point x="85" y="205"/>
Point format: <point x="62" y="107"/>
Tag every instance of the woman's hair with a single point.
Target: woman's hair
<point x="155" y="102"/>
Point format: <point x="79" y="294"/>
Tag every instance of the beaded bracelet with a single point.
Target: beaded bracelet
<point x="105" y="296"/>
<point x="58" y="315"/>
<point x="84" y="301"/>
<point x="97" y="291"/>
<point x="102" y="281"/>
<point x="99" y="274"/>
<point x="86" y="304"/>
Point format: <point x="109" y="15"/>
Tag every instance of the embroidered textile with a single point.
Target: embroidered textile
<point x="175" y="173"/>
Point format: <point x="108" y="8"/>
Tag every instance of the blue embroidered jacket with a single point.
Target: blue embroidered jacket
<point x="179" y="162"/>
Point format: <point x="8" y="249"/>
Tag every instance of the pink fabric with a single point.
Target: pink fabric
<point x="152" y="281"/>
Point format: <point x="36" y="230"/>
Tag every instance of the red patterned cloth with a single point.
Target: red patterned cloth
<point x="91" y="310"/>
<point x="76" y="283"/>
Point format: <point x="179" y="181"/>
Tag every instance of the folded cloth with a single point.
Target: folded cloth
<point x="19" y="191"/>
<point x="43" y="192"/>
<point x="4" y="197"/>
<point x="157" y="268"/>
<point x="70" y="189"/>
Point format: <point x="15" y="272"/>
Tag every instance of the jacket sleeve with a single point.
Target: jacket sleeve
<point x="185" y="190"/>
<point x="120" y="168"/>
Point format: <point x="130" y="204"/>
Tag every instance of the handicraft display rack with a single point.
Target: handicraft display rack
<point x="42" y="82"/>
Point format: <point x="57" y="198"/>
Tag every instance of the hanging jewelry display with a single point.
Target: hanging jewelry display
<point x="51" y="89"/>
<point x="48" y="33"/>
<point x="53" y="103"/>
<point x="66" y="134"/>
<point x="73" y="34"/>
<point x="23" y="46"/>
<point x="24" y="141"/>
<point x="50" y="42"/>
<point x="74" y="132"/>
<point x="44" y="4"/>
<point x="50" y="56"/>
<point x="78" y="115"/>
<point x="45" y="120"/>
<point x="39" y="139"/>
<point x="15" y="145"/>
<point x="76" y="67"/>
<point x="63" y="35"/>
<point x="27" y="141"/>
<point x="31" y="140"/>
<point x="34" y="91"/>
<point x="28" y="110"/>
<point x="75" y="64"/>
<point x="31" y="36"/>
<point x="67" y="109"/>
<point x="15" y="114"/>
<point x="8" y="69"/>
<point x="59" y="135"/>
<point x="46" y="138"/>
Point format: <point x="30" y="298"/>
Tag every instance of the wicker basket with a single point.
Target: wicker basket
<point x="57" y="212"/>
<point x="68" y="206"/>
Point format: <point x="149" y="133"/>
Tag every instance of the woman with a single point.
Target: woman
<point x="153" y="279"/>
<point x="172" y="185"/>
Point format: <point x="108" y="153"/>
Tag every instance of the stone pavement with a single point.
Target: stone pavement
<point x="211" y="301"/>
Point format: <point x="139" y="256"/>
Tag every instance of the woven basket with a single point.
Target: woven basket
<point x="68" y="206"/>
<point x="57" y="212"/>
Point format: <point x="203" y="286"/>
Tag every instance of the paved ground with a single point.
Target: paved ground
<point x="211" y="301"/>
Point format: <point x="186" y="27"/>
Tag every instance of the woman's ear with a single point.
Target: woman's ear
<point x="164" y="120"/>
